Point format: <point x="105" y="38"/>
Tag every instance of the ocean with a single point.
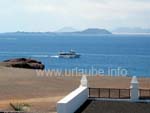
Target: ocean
<point x="130" y="52"/>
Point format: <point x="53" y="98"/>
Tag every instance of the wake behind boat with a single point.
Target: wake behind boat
<point x="70" y="54"/>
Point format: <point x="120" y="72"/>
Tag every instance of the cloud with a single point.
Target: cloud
<point x="76" y="13"/>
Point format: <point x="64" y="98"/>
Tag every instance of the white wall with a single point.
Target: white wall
<point x="73" y="101"/>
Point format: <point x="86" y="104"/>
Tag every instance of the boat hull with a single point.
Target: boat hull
<point x="69" y="56"/>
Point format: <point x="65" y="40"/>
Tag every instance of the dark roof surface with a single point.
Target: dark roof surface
<point x="113" y="107"/>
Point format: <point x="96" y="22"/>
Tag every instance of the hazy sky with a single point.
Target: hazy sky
<point x="50" y="15"/>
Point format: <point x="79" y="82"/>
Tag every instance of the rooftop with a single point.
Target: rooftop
<point x="114" y="107"/>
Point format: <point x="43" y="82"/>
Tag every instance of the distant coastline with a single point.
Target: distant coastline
<point x="131" y="33"/>
<point x="86" y="32"/>
<point x="89" y="31"/>
<point x="132" y="30"/>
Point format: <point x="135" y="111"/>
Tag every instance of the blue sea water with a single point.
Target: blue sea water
<point x="131" y="52"/>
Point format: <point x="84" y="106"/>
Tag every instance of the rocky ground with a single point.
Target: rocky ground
<point x="42" y="93"/>
<point x="23" y="63"/>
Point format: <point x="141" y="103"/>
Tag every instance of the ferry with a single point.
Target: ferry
<point x="70" y="54"/>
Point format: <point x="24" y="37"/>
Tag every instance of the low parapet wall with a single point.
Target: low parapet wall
<point x="73" y="101"/>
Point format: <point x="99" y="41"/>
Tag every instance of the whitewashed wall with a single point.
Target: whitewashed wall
<point x="73" y="101"/>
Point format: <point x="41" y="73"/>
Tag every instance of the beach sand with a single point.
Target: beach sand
<point x="42" y="93"/>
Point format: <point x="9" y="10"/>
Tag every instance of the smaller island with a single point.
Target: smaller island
<point x="95" y="31"/>
<point x="86" y="32"/>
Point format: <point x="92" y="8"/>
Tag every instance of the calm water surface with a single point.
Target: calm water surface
<point x="131" y="52"/>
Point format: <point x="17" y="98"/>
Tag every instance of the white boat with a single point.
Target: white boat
<point x="70" y="54"/>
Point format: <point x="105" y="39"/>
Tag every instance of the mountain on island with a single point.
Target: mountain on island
<point x="89" y="31"/>
<point x="95" y="31"/>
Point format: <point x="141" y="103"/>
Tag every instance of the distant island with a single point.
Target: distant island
<point x="95" y="31"/>
<point x="89" y="31"/>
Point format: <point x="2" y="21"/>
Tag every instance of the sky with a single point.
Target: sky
<point x="51" y="15"/>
